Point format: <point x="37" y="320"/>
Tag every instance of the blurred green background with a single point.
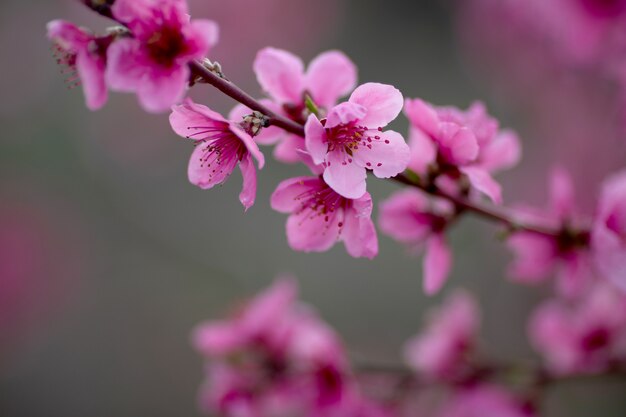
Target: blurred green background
<point x="110" y="257"/>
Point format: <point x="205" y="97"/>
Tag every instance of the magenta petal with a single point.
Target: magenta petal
<point x="249" y="143"/>
<point x="484" y="182"/>
<point x="91" y="71"/>
<point x="437" y="263"/>
<point x="160" y="91"/>
<point x="217" y="338"/>
<point x="400" y="216"/>
<point x="204" y="172"/>
<point x="188" y="117"/>
<point x="315" y="139"/>
<point x="347" y="180"/>
<point x="383" y="103"/>
<point x="561" y="193"/>
<point x="287" y="196"/>
<point x="344" y="113"/>
<point x="387" y="156"/>
<point x="289" y="150"/>
<point x="535" y="256"/>
<point x="124" y="70"/>
<point x="359" y="233"/>
<point x="68" y="35"/>
<point x="248" y="172"/>
<point x="458" y="144"/>
<point x="331" y="75"/>
<point x="207" y="33"/>
<point x="281" y="74"/>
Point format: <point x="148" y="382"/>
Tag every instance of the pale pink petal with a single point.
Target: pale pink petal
<point x="458" y="144"/>
<point x="217" y="338"/>
<point x="437" y="264"/>
<point x="288" y="195"/>
<point x="484" y="182"/>
<point x="248" y="172"/>
<point x="160" y="91"/>
<point x="387" y="156"/>
<point x="281" y="74"/>
<point x="207" y="174"/>
<point x="68" y="35"/>
<point x="269" y="306"/>
<point x="315" y="139"/>
<point x="535" y="257"/>
<point x="423" y="151"/>
<point x="309" y="231"/>
<point x="574" y="276"/>
<point x="347" y="180"/>
<point x="422" y="116"/>
<point x="383" y="103"/>
<point x="289" y="149"/>
<point x="503" y="152"/>
<point x="206" y="30"/>
<point x="359" y="233"/>
<point x="189" y="117"/>
<point x="400" y="216"/>
<point x="561" y="193"/>
<point x="344" y="113"/>
<point x="125" y="69"/>
<point x="330" y="76"/>
<point x="91" y="71"/>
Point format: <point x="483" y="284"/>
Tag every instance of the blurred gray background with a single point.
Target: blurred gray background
<point x="119" y="257"/>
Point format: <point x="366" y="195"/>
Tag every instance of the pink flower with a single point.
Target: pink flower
<point x="409" y="217"/>
<point x="274" y="358"/>
<point x="351" y="140"/>
<point x="537" y="256"/>
<point x="441" y="350"/>
<point x="154" y="61"/>
<point x="583" y="338"/>
<point x="319" y="217"/>
<point x="220" y="145"/>
<point x="330" y="76"/>
<point x="484" y="401"/>
<point x="83" y="52"/>
<point x="460" y="144"/>
<point x="609" y="231"/>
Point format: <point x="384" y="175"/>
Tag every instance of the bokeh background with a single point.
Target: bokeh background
<point x="109" y="257"/>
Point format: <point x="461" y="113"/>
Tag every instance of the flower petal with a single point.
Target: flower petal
<point x="281" y="74"/>
<point x="359" y="233"/>
<point x="287" y="196"/>
<point x="125" y="68"/>
<point x="383" y="103"/>
<point x="159" y="91"/>
<point x="561" y="193"/>
<point x="503" y="152"/>
<point x="205" y="172"/>
<point x="387" y="156"/>
<point x="315" y="139"/>
<point x="67" y="35"/>
<point x="344" y="113"/>
<point x="457" y="144"/>
<point x="310" y="231"/>
<point x="91" y="71"/>
<point x="330" y="76"/>
<point x="437" y="263"/>
<point x="248" y="172"/>
<point x="422" y="116"/>
<point x="347" y="180"/>
<point x="189" y="117"/>
<point x="484" y="182"/>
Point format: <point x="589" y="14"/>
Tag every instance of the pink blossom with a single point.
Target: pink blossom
<point x="154" y="61"/>
<point x="319" y="217"/>
<point x="351" y="139"/>
<point x="440" y="351"/>
<point x="410" y="217"/>
<point x="330" y="76"/>
<point x="82" y="52"/>
<point x="585" y="337"/>
<point x="537" y="256"/>
<point x="275" y="357"/>
<point x="220" y="145"/>
<point x="484" y="401"/>
<point x="460" y="144"/>
<point x="609" y="231"/>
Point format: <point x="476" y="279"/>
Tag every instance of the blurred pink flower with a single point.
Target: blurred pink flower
<point x="609" y="230"/>
<point x="319" y="217"/>
<point x="153" y="62"/>
<point x="484" y="401"/>
<point x="410" y="217"/>
<point x="441" y="350"/>
<point x="351" y="140"/>
<point x="83" y="52"/>
<point x="330" y="76"/>
<point x="537" y="256"/>
<point x="585" y="337"/>
<point x="221" y="144"/>
<point x="457" y="143"/>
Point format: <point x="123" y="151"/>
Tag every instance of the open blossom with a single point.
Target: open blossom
<point x="220" y="145"/>
<point x="484" y="401"/>
<point x="330" y="76"/>
<point x="320" y="217"/>
<point x="537" y="256"/>
<point x="460" y="144"/>
<point x="351" y="139"/>
<point x="441" y="350"/>
<point x="85" y="53"/>
<point x="154" y="62"/>
<point x="586" y="337"/>
<point x="609" y="231"/>
<point x="276" y="357"/>
<point x="410" y="217"/>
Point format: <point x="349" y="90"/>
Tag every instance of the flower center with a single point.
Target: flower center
<point x="222" y="148"/>
<point x="165" y="45"/>
<point x="604" y="8"/>
<point x="320" y="202"/>
<point x="349" y="138"/>
<point x="595" y="340"/>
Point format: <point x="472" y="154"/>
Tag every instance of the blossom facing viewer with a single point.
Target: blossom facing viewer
<point x="84" y="53"/>
<point x="154" y="62"/>
<point x="441" y="350"/>
<point x="330" y="76"/>
<point x="410" y="217"/>
<point x="220" y="145"/>
<point x="319" y="217"/>
<point x="351" y="140"/>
